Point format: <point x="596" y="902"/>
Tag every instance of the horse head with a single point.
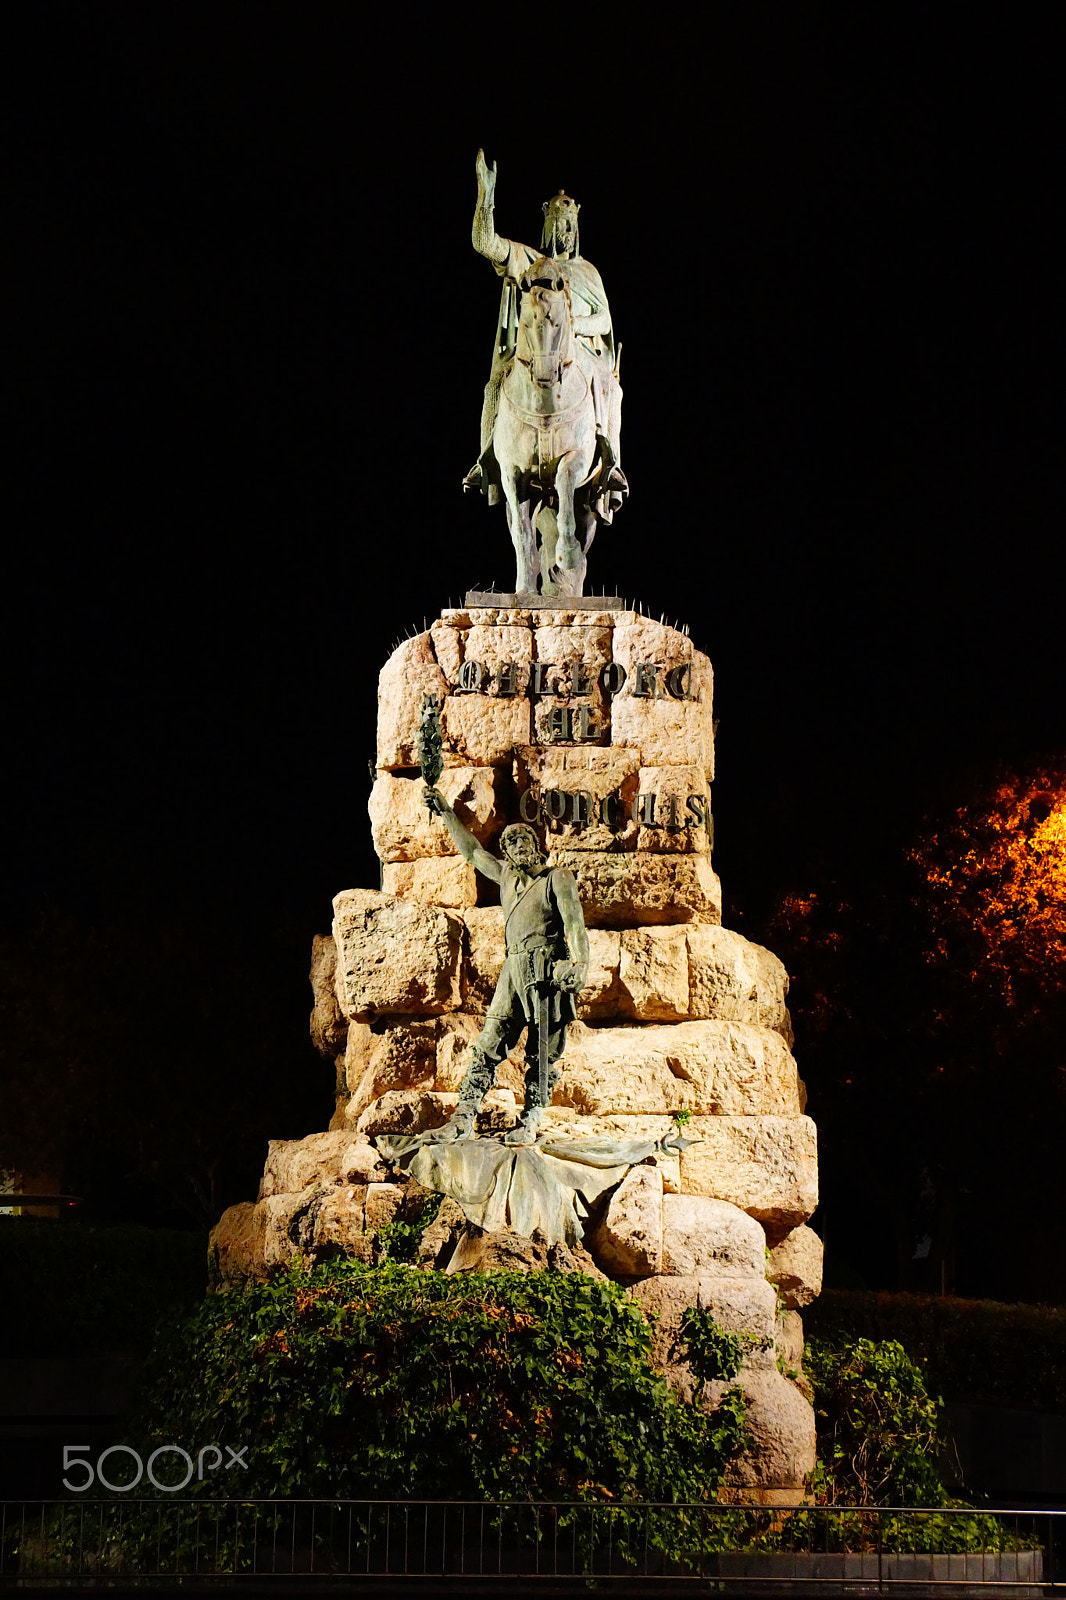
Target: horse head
<point x="545" y="335"/>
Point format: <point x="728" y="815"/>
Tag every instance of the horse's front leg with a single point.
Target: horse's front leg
<point x="571" y="471"/>
<point x="521" y="529"/>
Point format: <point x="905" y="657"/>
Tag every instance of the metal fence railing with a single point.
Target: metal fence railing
<point x="156" y="1542"/>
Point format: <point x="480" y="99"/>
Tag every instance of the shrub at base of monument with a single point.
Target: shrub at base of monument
<point x="351" y="1381"/>
<point x="880" y="1441"/>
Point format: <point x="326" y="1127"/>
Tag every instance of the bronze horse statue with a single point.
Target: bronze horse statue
<point x="552" y="464"/>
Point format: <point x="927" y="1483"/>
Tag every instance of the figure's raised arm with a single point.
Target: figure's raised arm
<point x="483" y="234"/>
<point x="463" y="840"/>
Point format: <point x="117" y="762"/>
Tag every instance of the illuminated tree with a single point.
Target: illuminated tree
<point x="995" y="885"/>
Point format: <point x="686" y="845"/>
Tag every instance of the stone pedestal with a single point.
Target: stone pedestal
<point x="596" y="726"/>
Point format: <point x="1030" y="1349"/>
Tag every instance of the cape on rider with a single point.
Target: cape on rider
<point x="544" y="970"/>
<point x="592" y="327"/>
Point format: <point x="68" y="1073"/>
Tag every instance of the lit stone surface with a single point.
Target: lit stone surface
<point x="602" y="995"/>
<point x="410" y="673"/>
<point x="653" y="973"/>
<point x="483" y="730"/>
<point x="768" y="1166"/>
<point x="395" y="955"/>
<point x="789" y="1340"/>
<point x="436" y="881"/>
<point x="235" y="1248"/>
<point x="404" y="830"/>
<point x="707" y="1068"/>
<point x="406" y="1111"/>
<point x="596" y="772"/>
<point x="781" y="1422"/>
<point x="633" y="888"/>
<point x="732" y="978"/>
<point x="739" y="1305"/>
<point x="629" y="1240"/>
<point x="329" y="1026"/>
<point x="676" y="827"/>
<point x="485" y="951"/>
<point x="702" y="1236"/>
<point x="795" y="1266"/>
<point x="492" y="647"/>
<point x="321" y="1158"/>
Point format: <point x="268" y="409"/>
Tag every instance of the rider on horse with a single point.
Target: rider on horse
<point x="592" y="326"/>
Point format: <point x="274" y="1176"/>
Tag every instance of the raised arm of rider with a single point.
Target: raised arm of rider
<point x="463" y="840"/>
<point x="483" y="235"/>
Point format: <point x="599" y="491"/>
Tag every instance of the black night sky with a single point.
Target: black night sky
<point x="248" y="337"/>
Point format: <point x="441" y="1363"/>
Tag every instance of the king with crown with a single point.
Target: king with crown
<point x="594" y="334"/>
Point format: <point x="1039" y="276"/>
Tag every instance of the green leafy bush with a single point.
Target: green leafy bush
<point x="878" y="1427"/>
<point x="975" y="1350"/>
<point x="879" y="1444"/>
<point x="349" y="1381"/>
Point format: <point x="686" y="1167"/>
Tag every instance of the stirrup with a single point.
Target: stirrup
<point x="526" y="1128"/>
<point x="474" y="481"/>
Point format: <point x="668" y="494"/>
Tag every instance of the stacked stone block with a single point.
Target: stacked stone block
<point x="596" y="726"/>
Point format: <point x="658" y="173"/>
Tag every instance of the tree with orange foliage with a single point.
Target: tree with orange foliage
<point x="930" y="1011"/>
<point x="995" y="880"/>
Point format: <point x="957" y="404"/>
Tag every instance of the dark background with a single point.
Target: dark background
<point x="248" y="339"/>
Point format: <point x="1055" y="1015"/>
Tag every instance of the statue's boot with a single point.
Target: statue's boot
<point x="526" y="1128"/>
<point x="460" y="1125"/>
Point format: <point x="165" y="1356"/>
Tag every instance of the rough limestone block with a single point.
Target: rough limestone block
<point x="742" y="1305"/>
<point x="403" y="1055"/>
<point x="627" y="889"/>
<point x="795" y="1266"/>
<point x="768" y="1166"/>
<point x="384" y="1202"/>
<point x="329" y="1026"/>
<point x="362" y="1042"/>
<point x="492" y="647"/>
<point x="676" y="829"/>
<point x="572" y="659"/>
<point x="706" y="1068"/>
<point x="563" y="1122"/>
<point x="602" y="995"/>
<point x="789" y="1341"/>
<point x="485" y="952"/>
<point x="591" y="771"/>
<point x="403" y="828"/>
<point x="628" y="1241"/>
<point x="235" y="1247"/>
<point x="282" y="1216"/>
<point x="456" y="1034"/>
<point x="322" y="1158"/>
<point x="481" y="730"/>
<point x="781" y="1422"/>
<point x="437" y="881"/>
<point x="702" y="1236"/>
<point x="395" y="955"/>
<point x="406" y="1111"/>
<point x="667" y="731"/>
<point x="653" y="973"/>
<point x="410" y="673"/>
<point x="338" y="1222"/>
<point x="732" y="978"/>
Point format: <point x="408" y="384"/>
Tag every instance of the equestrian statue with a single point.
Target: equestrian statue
<point x="551" y="417"/>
